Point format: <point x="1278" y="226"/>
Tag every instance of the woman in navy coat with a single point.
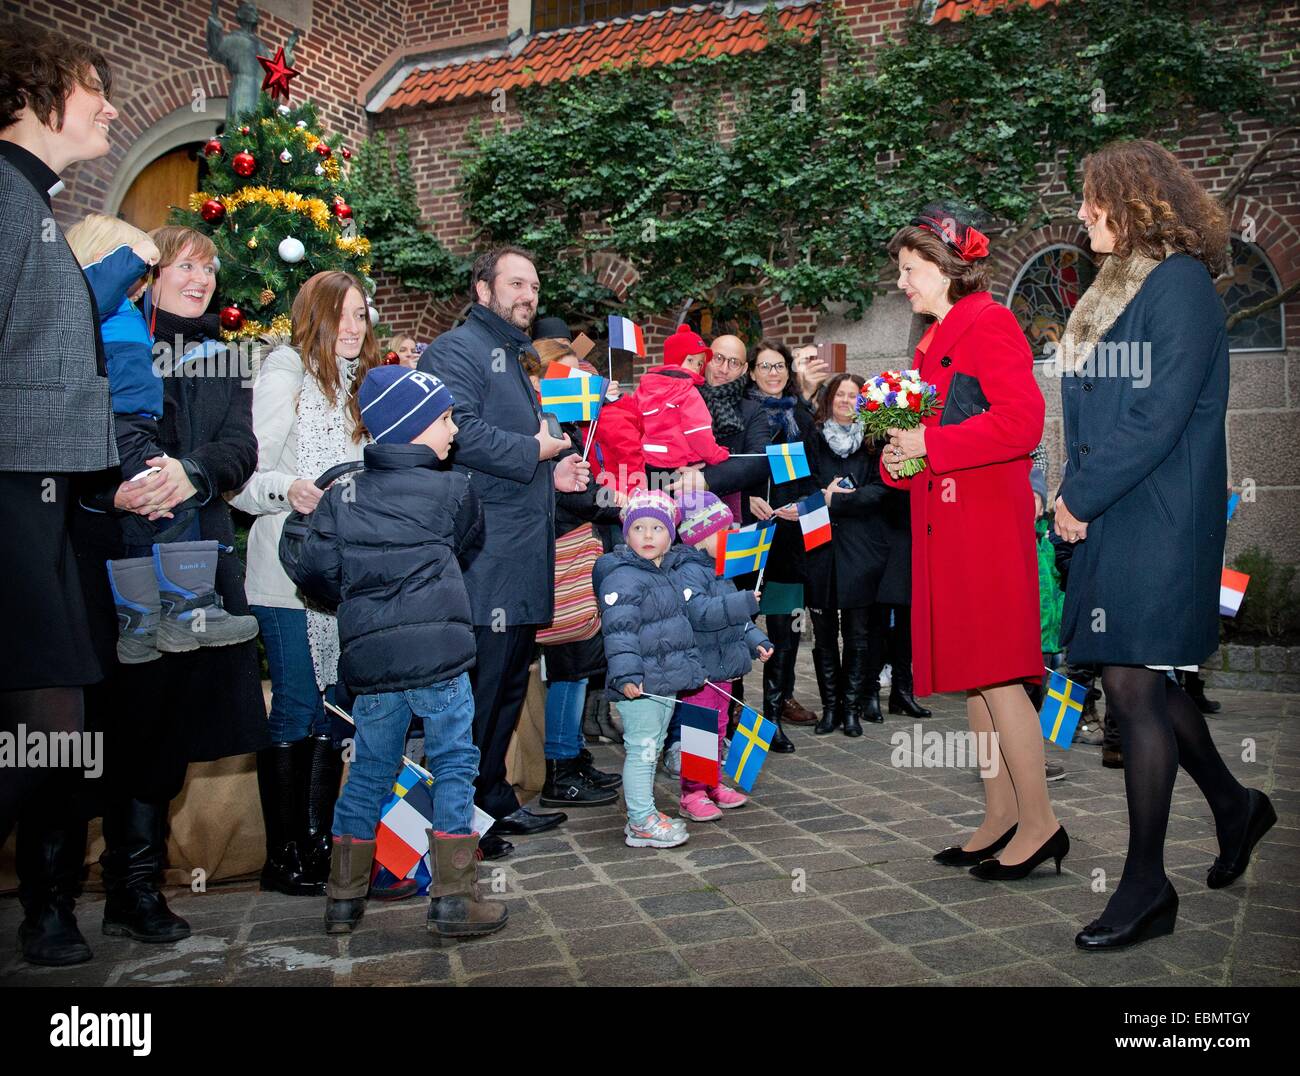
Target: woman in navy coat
<point x="1144" y="364"/>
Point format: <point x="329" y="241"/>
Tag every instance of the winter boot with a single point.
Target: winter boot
<point x="318" y="769"/>
<point x="774" y="678"/>
<point x="1195" y="688"/>
<point x="49" y="857"/>
<point x="135" y="596"/>
<point x="192" y="615"/>
<point x="349" y="881"/>
<point x="566" y="787"/>
<point x="826" y="663"/>
<point x="455" y="908"/>
<point x="135" y="847"/>
<point x="599" y="778"/>
<point x="284" y="815"/>
<point x="861" y="690"/>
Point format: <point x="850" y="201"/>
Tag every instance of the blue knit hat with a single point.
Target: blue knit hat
<point x="397" y="404"/>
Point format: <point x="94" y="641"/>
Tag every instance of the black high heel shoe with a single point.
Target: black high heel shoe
<point x="1156" y="921"/>
<point x="1057" y="847"/>
<point x="1259" y="820"/>
<point x="956" y="856"/>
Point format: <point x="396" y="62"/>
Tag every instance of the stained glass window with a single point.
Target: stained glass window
<point x="1045" y="291"/>
<point x="1251" y="281"/>
<point x="553" y="14"/>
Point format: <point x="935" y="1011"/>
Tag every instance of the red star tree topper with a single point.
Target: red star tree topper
<point x="278" y="73"/>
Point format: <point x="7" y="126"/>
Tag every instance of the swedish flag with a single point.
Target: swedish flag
<point x="573" y="399"/>
<point x="744" y="551"/>
<point x="788" y="461"/>
<point x="749" y="747"/>
<point x="1062" y="707"/>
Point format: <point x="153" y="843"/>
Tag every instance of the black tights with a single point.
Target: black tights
<point x="1160" y="729"/>
<point x="46" y="711"/>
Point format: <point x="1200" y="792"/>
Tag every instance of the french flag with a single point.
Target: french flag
<point x="625" y="335"/>
<point x="699" y="743"/>
<point x="1232" y="588"/>
<point x="815" y="521"/>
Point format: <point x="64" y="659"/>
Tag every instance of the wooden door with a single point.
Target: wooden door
<point x="168" y="181"/>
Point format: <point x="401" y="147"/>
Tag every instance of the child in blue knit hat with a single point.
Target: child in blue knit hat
<point x="387" y="550"/>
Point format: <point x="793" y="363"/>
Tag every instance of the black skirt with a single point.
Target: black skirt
<point x="44" y="632"/>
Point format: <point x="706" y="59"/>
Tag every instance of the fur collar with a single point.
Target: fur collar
<point x="1117" y="282"/>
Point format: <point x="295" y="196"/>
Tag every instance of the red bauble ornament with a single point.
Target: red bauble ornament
<point x="323" y="149"/>
<point x="278" y="73"/>
<point x="347" y="154"/>
<point x="244" y="129"/>
<point x="212" y="148"/>
<point x="243" y="163"/>
<point x="342" y="210"/>
<point x="212" y="211"/>
<point x="232" y="318"/>
<point x="392" y="358"/>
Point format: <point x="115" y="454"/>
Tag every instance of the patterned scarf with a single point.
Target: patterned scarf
<point x="324" y="439"/>
<point x="723" y="402"/>
<point x="843" y="440"/>
<point x="779" y="411"/>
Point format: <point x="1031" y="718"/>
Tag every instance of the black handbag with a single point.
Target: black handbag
<point x="298" y="525"/>
<point x="965" y="400"/>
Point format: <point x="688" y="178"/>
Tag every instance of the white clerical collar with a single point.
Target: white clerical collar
<point x="56" y="189"/>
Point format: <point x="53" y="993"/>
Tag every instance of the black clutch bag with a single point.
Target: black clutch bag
<point x="965" y="399"/>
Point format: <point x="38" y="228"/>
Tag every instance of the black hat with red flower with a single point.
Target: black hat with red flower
<point x="956" y="225"/>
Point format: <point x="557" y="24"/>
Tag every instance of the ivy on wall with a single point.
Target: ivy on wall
<point x="784" y="172"/>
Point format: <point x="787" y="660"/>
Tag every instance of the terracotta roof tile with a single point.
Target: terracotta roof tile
<point x="952" y="10"/>
<point x="662" y="38"/>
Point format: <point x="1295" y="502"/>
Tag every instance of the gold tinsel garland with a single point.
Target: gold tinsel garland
<point x="312" y="208"/>
<point x="281" y="325"/>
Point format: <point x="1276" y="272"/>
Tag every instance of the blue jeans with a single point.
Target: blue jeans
<point x="447" y="710"/>
<point x="645" y="722"/>
<point x="564" y="703"/>
<point x="296" y="708"/>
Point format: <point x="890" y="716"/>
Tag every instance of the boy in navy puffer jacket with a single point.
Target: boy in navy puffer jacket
<point x="386" y="550"/>
<point x="650" y="653"/>
<point x="724" y="632"/>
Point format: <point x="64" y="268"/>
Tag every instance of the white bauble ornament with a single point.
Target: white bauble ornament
<point x="291" y="250"/>
<point x="283" y="110"/>
<point x="374" y="314"/>
<point x="285" y="156"/>
<point x="301" y="125"/>
<point x="320" y="169"/>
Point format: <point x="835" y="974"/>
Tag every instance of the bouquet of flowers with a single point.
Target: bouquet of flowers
<point x="896" y="399"/>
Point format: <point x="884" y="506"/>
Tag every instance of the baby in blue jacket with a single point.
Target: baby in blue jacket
<point x="164" y="589"/>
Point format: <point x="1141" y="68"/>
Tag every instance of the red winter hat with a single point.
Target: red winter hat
<point x="683" y="343"/>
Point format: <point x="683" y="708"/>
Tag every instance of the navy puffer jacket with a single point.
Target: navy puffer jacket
<point x="384" y="550"/>
<point x="726" y="636"/>
<point x="648" y="636"/>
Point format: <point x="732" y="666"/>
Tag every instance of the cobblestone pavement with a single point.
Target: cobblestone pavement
<point x="728" y="907"/>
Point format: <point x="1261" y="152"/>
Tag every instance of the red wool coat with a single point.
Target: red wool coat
<point x="975" y="613"/>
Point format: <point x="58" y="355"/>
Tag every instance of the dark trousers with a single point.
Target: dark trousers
<point x="500" y="681"/>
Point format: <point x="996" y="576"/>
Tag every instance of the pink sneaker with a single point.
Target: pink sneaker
<point x="699" y="808"/>
<point x="727" y="798"/>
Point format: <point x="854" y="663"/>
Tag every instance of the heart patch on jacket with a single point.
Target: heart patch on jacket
<point x="611" y="597"/>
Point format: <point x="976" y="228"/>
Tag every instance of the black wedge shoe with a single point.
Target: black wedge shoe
<point x="1156" y="921"/>
<point x="1057" y="847"/>
<point x="956" y="856"/>
<point x="1259" y="821"/>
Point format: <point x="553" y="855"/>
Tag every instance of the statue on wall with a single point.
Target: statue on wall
<point x="238" y="50"/>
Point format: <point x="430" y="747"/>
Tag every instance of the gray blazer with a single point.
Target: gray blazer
<point x="55" y="413"/>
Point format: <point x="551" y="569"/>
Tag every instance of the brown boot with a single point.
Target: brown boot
<point x="349" y="881"/>
<point x="455" y="909"/>
<point x="795" y="713"/>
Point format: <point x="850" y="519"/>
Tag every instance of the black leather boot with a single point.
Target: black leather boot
<point x="320" y="768"/>
<point x="899" y="635"/>
<point x="135" y="847"/>
<point x="1195" y="688"/>
<point x="599" y="778"/>
<point x="774" y="678"/>
<point x="49" y="861"/>
<point x="826" y="663"/>
<point x="566" y="787"/>
<point x="285" y="823"/>
<point x="861" y="693"/>
<point x="901" y="699"/>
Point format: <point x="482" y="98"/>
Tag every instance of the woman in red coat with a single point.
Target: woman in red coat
<point x="975" y="614"/>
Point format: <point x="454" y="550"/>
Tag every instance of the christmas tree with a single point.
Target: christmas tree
<point x="273" y="203"/>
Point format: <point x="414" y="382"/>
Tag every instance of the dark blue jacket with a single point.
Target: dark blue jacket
<point x="384" y="550"/>
<point x="1147" y="470"/>
<point x="649" y="639"/>
<point x="720" y="614"/>
<point x="496" y="409"/>
<point x="128" y="348"/>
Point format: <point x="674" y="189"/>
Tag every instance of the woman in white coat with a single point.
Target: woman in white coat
<point x="307" y="419"/>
